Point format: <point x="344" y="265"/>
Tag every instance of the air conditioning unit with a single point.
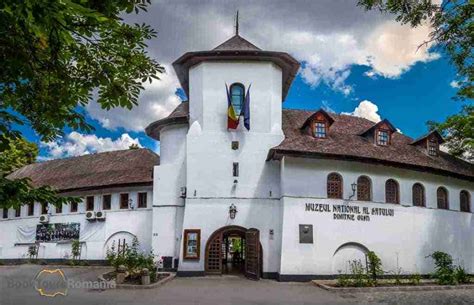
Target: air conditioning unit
<point x="90" y="215"/>
<point x="44" y="218"/>
<point x="100" y="215"/>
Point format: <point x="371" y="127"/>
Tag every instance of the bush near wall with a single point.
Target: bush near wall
<point x="133" y="259"/>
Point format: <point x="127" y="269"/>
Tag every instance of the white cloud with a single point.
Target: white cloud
<point x="156" y="101"/>
<point x="77" y="144"/>
<point x="367" y="110"/>
<point x="389" y="50"/>
<point x="454" y="84"/>
<point x="328" y="37"/>
<point x="393" y="48"/>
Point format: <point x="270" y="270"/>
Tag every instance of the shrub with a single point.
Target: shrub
<point x="76" y="249"/>
<point x="415" y="279"/>
<point x="32" y="252"/>
<point x="461" y="275"/>
<point x="444" y="271"/>
<point x="133" y="259"/>
<point x="358" y="274"/>
<point x="343" y="280"/>
<point x="374" y="267"/>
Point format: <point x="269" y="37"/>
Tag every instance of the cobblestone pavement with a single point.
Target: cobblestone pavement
<point x="227" y="290"/>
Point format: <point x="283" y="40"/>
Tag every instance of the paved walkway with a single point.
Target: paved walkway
<point x="228" y="290"/>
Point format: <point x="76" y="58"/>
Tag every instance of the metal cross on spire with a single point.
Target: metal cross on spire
<point x="237" y="23"/>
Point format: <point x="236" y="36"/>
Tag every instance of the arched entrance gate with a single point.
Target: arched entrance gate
<point x="234" y="249"/>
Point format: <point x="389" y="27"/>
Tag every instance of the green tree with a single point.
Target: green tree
<point x="55" y="57"/>
<point x="453" y="32"/>
<point x="18" y="152"/>
<point x="459" y="132"/>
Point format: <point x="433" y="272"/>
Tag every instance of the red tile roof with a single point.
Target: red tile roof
<point x="344" y="142"/>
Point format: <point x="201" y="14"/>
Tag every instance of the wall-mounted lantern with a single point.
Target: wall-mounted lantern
<point x="354" y="188"/>
<point x="232" y="211"/>
<point x="131" y="204"/>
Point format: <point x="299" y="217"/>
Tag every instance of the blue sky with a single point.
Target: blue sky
<point x="353" y="61"/>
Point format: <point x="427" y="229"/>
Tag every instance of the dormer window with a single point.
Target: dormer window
<point x="383" y="137"/>
<point x="429" y="143"/>
<point x="432" y="147"/>
<point x="317" y="125"/>
<point x="320" y="129"/>
<point x="380" y="133"/>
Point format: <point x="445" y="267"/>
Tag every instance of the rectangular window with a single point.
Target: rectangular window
<point x="235" y="169"/>
<point x="106" y="202"/>
<point x="73" y="207"/>
<point x="192" y="244"/>
<point x="5" y="213"/>
<point x="124" y="201"/>
<point x="90" y="203"/>
<point x="142" y="200"/>
<point x="44" y="208"/>
<point x="432" y="148"/>
<point x="18" y="212"/>
<point x="320" y="130"/>
<point x="59" y="209"/>
<point x="31" y="209"/>
<point x="382" y="137"/>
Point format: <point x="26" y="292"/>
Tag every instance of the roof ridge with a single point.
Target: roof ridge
<point x="89" y="155"/>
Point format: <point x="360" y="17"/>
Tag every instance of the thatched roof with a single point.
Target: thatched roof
<point x="131" y="167"/>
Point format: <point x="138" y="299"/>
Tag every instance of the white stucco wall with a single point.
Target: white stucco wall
<point x="169" y="178"/>
<point x="137" y="222"/>
<point x="209" y="215"/>
<point x="402" y="240"/>
<point x="209" y="156"/>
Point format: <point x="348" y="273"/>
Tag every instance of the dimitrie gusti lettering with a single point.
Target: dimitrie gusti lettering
<point x="348" y="212"/>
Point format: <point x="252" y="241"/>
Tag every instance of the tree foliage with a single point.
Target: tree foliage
<point x="18" y="152"/>
<point x="55" y="56"/>
<point x="453" y="31"/>
<point x="459" y="132"/>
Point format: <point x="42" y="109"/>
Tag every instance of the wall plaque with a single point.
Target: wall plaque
<point x="306" y="234"/>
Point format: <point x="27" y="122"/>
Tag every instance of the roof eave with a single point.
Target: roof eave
<point x="278" y="154"/>
<point x="285" y="61"/>
<point x="153" y="130"/>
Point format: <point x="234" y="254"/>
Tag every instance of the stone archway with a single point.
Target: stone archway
<point x="217" y="252"/>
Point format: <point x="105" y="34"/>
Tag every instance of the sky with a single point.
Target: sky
<point x="352" y="61"/>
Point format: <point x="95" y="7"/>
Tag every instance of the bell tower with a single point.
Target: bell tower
<point x="219" y="164"/>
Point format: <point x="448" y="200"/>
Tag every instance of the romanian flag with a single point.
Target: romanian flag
<point x="232" y="118"/>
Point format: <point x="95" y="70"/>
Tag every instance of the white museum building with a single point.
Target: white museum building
<point x="244" y="186"/>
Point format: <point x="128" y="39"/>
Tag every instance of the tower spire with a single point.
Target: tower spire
<point x="237" y="23"/>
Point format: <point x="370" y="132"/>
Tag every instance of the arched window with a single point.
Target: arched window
<point x="334" y="186"/>
<point x="442" y="198"/>
<point x="418" y="193"/>
<point x="364" y="188"/>
<point x="464" y="200"/>
<point x="392" y="191"/>
<point x="237" y="95"/>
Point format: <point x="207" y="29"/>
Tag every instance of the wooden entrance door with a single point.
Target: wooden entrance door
<point x="214" y="255"/>
<point x="252" y="254"/>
